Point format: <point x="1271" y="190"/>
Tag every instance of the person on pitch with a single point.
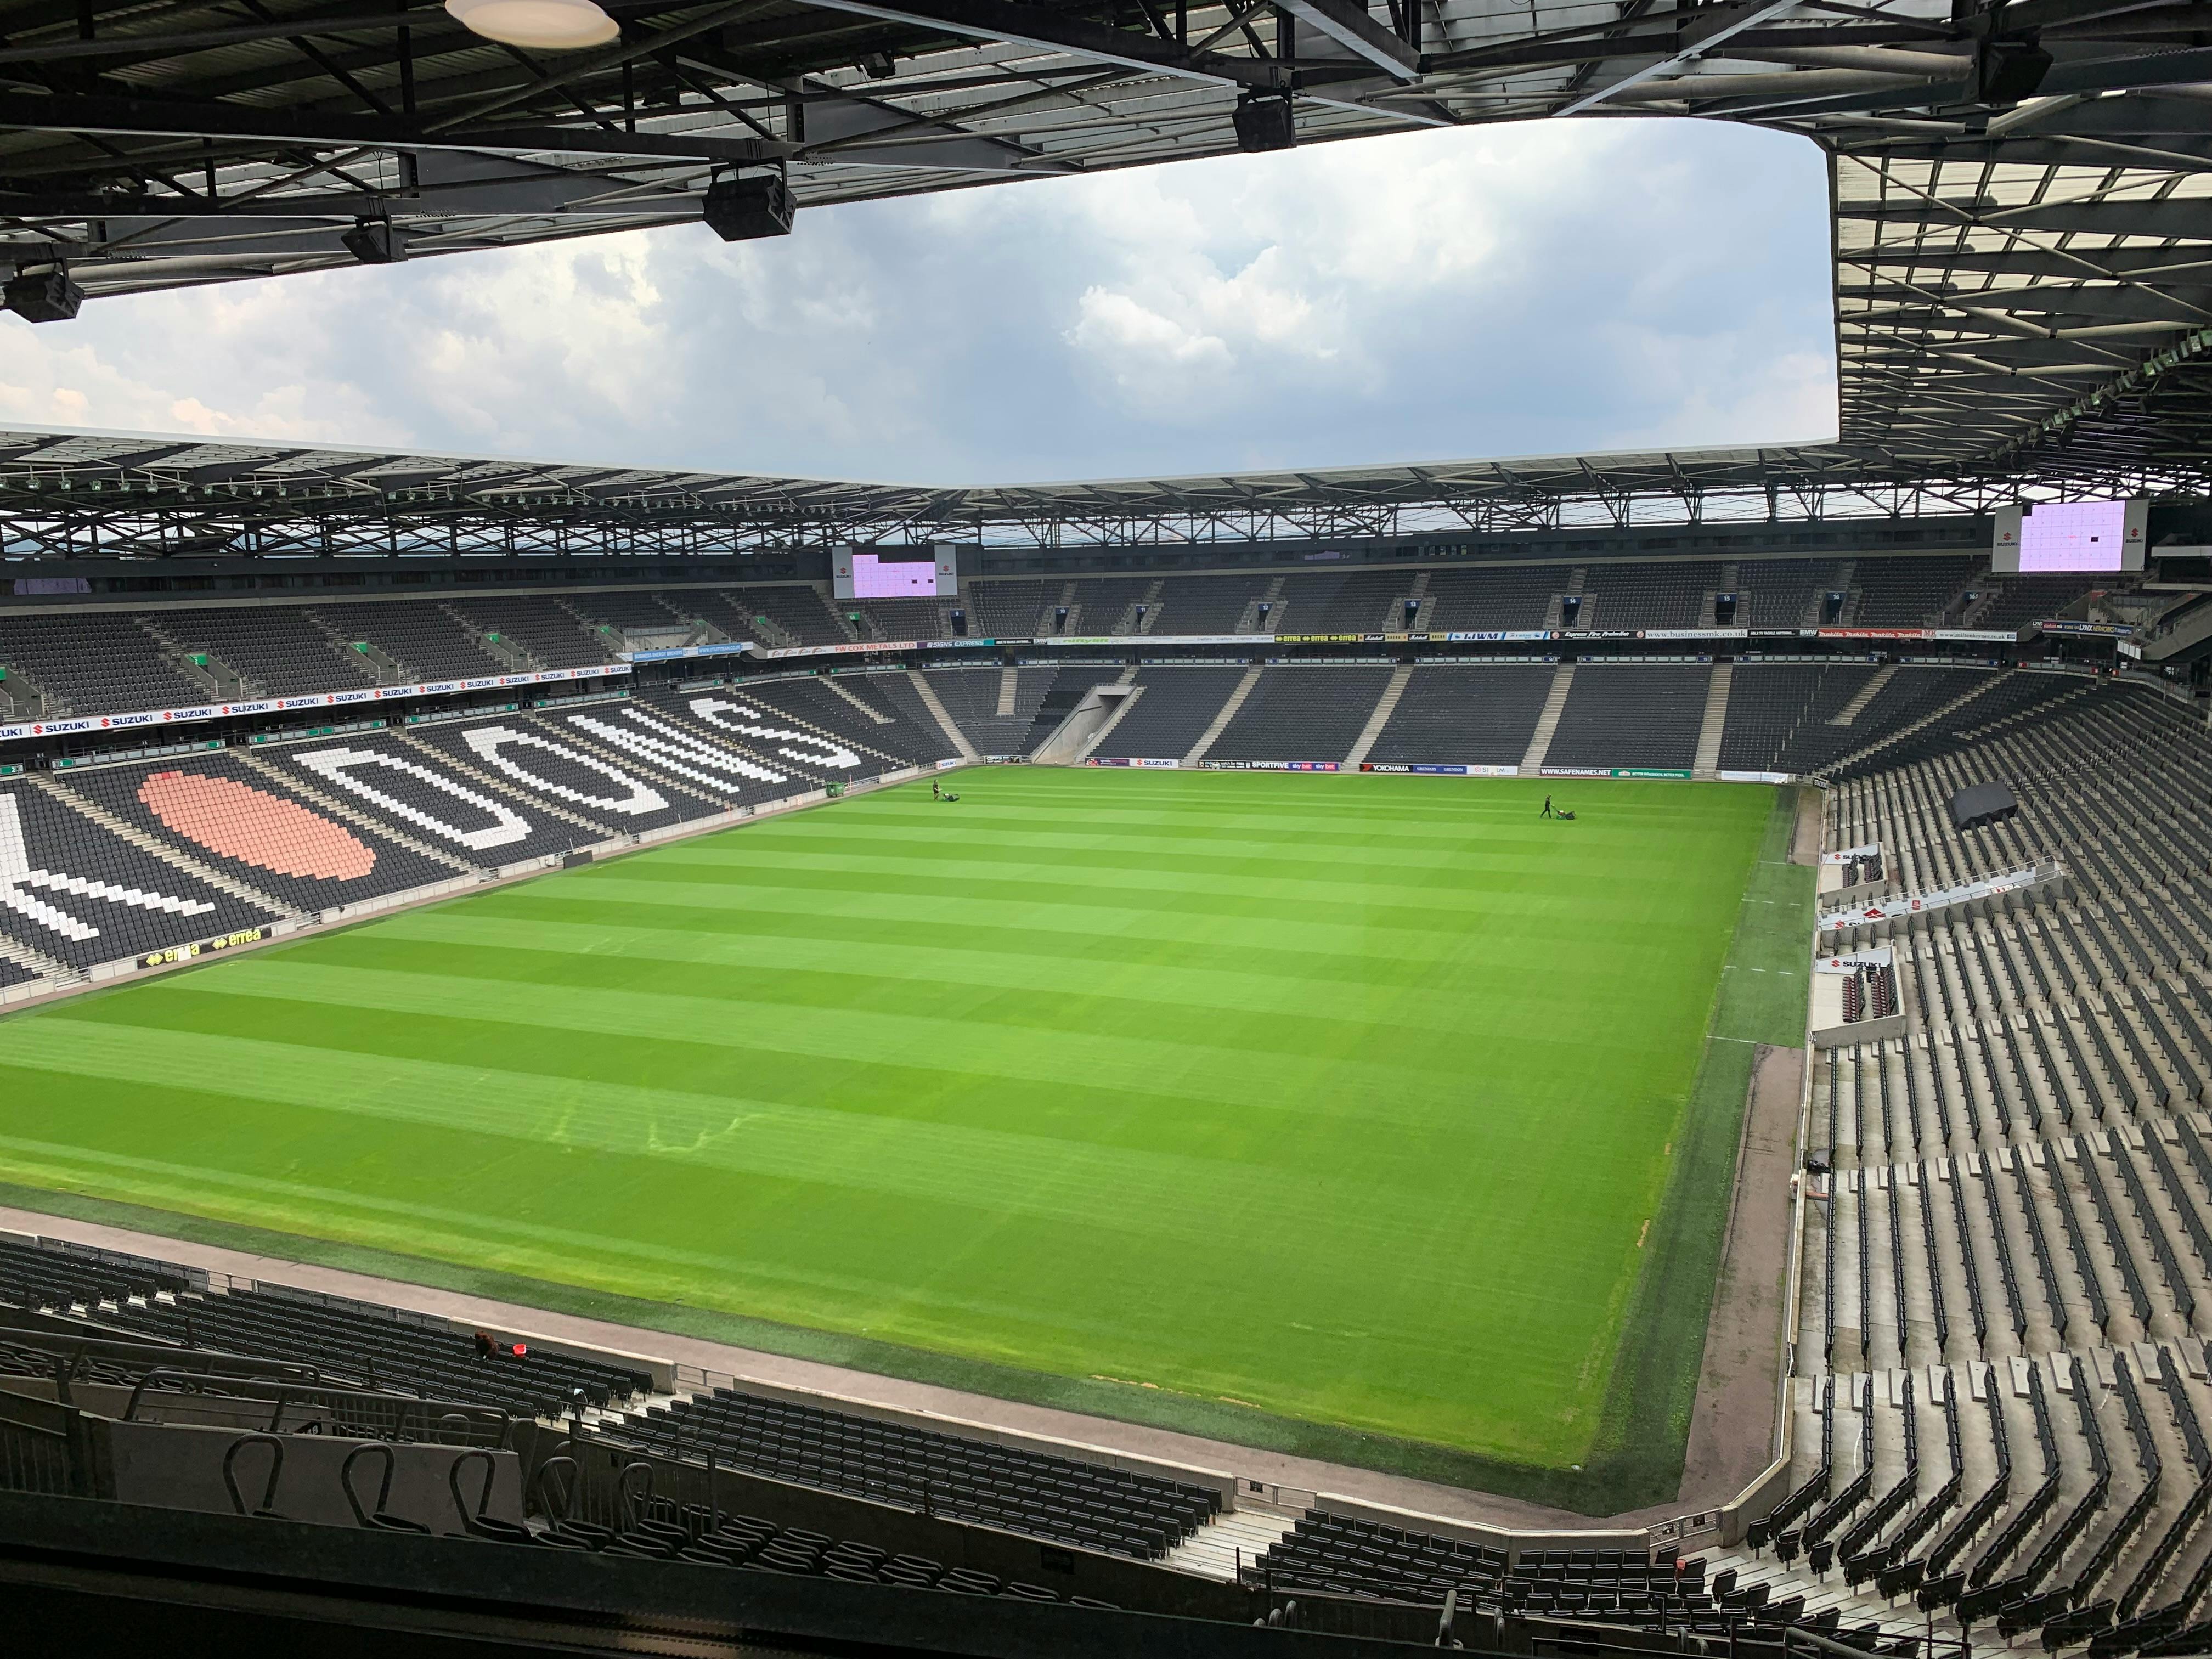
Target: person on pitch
<point x="1547" y="812"/>
<point x="936" y="790"/>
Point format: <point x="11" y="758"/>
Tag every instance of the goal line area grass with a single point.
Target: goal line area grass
<point x="1369" y="1118"/>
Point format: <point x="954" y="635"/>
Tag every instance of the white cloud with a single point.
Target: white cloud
<point x="1547" y="287"/>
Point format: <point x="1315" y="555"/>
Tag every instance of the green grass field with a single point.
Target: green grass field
<point x="1366" y="1116"/>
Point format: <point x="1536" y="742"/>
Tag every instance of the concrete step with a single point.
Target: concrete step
<point x="1716" y="721"/>
<point x="953" y="734"/>
<point x="1221" y="721"/>
<point x="1385" y="706"/>
<point x="1555" y="702"/>
<point x="1231" y="1540"/>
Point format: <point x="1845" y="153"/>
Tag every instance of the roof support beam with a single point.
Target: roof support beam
<point x="1711" y="26"/>
<point x="161" y="118"/>
<point x="1348" y="24"/>
<point x="1022" y="25"/>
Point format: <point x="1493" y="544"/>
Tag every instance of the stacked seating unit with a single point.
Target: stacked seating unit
<point x="1064" y="691"/>
<point x="2023" y="599"/>
<point x="658" y="1529"/>
<point x="1010" y="608"/>
<point x="2011" y="697"/>
<point x="93" y="662"/>
<point x="1769" y="703"/>
<point x="38" y="1276"/>
<point x="540" y="624"/>
<point x="1913" y="694"/>
<point x="1631" y="714"/>
<point x="642" y="609"/>
<point x="970" y="696"/>
<point x="1512" y="597"/>
<point x="2008" y="1285"/>
<point x="857" y="711"/>
<point x="380" y="1347"/>
<point x="218" y="811"/>
<point x="909" y="619"/>
<point x="277" y="648"/>
<point x="1629" y="1599"/>
<point x="1451" y="715"/>
<point x="425" y="639"/>
<point x="73" y="891"/>
<point x="798" y="609"/>
<point x="1101" y="603"/>
<point x="1301" y="715"/>
<point x="1176" y="706"/>
<point x="1908" y="593"/>
<point x="1020" y="1490"/>
<point x="1339" y="602"/>
<point x="1650" y="595"/>
<point x="1206" y="605"/>
<point x="347" y="1344"/>
<point x="1785" y="592"/>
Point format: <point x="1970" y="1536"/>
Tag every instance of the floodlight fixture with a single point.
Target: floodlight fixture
<point x="543" y="25"/>
<point x="742" y="206"/>
<point x="1264" y="121"/>
<point x="43" y="296"/>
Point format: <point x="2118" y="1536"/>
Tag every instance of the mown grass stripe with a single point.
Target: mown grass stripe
<point x="1354" y="1100"/>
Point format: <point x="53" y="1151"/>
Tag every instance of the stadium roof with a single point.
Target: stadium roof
<point x="141" y="495"/>
<point x="2022" y="193"/>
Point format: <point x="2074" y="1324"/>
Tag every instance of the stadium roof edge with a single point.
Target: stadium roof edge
<point x="74" y="493"/>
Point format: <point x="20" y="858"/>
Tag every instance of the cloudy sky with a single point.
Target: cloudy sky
<point x="1538" y="290"/>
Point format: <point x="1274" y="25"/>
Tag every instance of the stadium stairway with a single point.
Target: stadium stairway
<point x="1716" y="721"/>
<point x="876" y="716"/>
<point x="1227" y="713"/>
<point x="1898" y="735"/>
<point x="958" y="738"/>
<point x="1385" y="706"/>
<point x="1850" y="711"/>
<point x="1228" y="1543"/>
<point x="1555" y="704"/>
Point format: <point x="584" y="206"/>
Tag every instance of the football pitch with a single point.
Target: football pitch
<point x="1371" y="1117"/>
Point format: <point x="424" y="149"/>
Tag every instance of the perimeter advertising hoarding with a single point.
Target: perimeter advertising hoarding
<point x="1443" y="771"/>
<point x="186" y="952"/>
<point x="1470" y="636"/>
<point x="217" y="711"/>
<point x="1614" y="771"/>
<point x="1987" y="635"/>
<point x="1849" y="961"/>
<point x="1126" y="760"/>
<point x="1269" y="766"/>
<point x="2095" y="630"/>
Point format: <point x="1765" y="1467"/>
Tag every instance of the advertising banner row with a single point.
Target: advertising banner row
<point x="1849" y="961"/>
<point x="1613" y="771"/>
<point x="1269" y="766"/>
<point x="1844" y="856"/>
<point x="1473" y="637"/>
<point x="187" y="952"/>
<point x="1472" y="771"/>
<point x="1442" y="771"/>
<point x="2010" y="881"/>
<point x="366" y="694"/>
<point x="1126" y="760"/>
